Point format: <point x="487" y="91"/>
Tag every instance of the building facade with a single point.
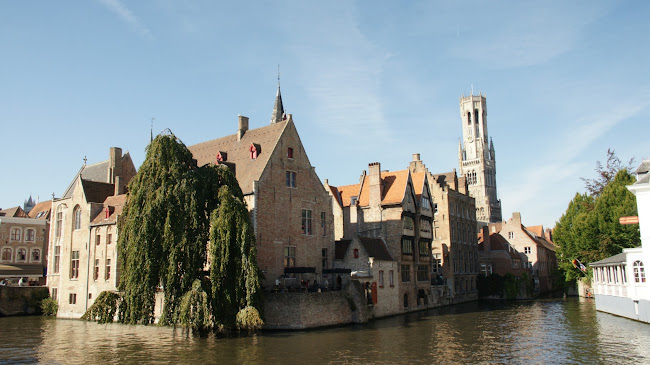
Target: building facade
<point x="290" y="209"/>
<point x="454" y="244"/>
<point x="476" y="159"/>
<point x="76" y="234"/>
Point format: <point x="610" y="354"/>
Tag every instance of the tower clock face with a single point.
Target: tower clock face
<point x="470" y="138"/>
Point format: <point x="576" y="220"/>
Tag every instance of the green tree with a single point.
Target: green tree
<point x="165" y="228"/>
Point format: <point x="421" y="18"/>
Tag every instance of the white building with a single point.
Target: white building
<point x="620" y="282"/>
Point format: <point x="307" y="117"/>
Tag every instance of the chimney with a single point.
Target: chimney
<point x="516" y="217"/>
<point x="243" y="127"/>
<point x="486" y="238"/>
<point x="416" y="157"/>
<point x="114" y="164"/>
<point x="375" y="184"/>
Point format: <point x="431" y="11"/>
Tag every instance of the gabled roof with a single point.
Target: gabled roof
<point x="115" y="205"/>
<point x="97" y="192"/>
<point x="418" y="179"/>
<point x="540" y="241"/>
<point x="337" y="196"/>
<point x="376" y="248"/>
<point x="394" y="188"/>
<point x="621" y="258"/>
<point x="247" y="170"/>
<point x="536" y="230"/>
<point x="42" y="207"/>
<point x="347" y="192"/>
<point x="15" y="212"/>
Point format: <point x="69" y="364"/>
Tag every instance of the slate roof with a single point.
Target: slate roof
<point x="98" y="172"/>
<point x="394" y="188"/>
<point x="376" y="248"/>
<point x="621" y="258"/>
<point x="643" y="168"/>
<point x="42" y="207"/>
<point x="340" y="248"/>
<point x="247" y="169"/>
<point x="115" y="205"/>
<point x="97" y="192"/>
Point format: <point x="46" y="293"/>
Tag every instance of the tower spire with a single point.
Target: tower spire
<point x="278" y="108"/>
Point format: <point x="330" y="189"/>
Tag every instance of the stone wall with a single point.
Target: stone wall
<point x="310" y="310"/>
<point x="21" y="300"/>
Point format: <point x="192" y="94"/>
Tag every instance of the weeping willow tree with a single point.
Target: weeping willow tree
<point x="165" y="228"/>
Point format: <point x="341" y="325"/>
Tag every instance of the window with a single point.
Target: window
<point x="6" y="254"/>
<point x="469" y="118"/>
<point x="30" y="235"/>
<point x="289" y="152"/>
<point x="426" y="203"/>
<point x="356" y="253"/>
<point x="15" y="234"/>
<point x="406" y="300"/>
<point x="58" y="223"/>
<point x="306" y="221"/>
<point x="57" y="258"/>
<point x="55" y="293"/>
<point x="511" y="235"/>
<point x="21" y="255"/>
<point x="254" y="151"/>
<point x="109" y="238"/>
<point x="290" y="179"/>
<point x="408" y="222"/>
<point x="406" y="273"/>
<point x="36" y="255"/>
<point x="107" y="274"/>
<point x="407" y="246"/>
<point x="639" y="272"/>
<point x="323" y="223"/>
<point x="324" y="258"/>
<point x="73" y="298"/>
<point x="74" y="265"/>
<point x="290" y="256"/>
<point x="423" y="273"/>
<point x="98" y="239"/>
<point x="476" y="117"/>
<point x="381" y="278"/>
<point x="391" y="281"/>
<point x="435" y="208"/>
<point x="77" y="217"/>
<point x="353" y="200"/>
<point x="424" y="248"/>
<point x="527" y="250"/>
<point x="96" y="272"/>
<point x="425" y="225"/>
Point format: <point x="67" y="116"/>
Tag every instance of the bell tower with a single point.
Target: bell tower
<point x="476" y="159"/>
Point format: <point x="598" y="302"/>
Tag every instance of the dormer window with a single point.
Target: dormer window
<point x="222" y="156"/>
<point x="289" y="152"/>
<point x="254" y="150"/>
<point x="353" y="200"/>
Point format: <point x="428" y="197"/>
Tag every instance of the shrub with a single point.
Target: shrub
<point x="248" y="319"/>
<point x="104" y="308"/>
<point x="49" y="307"/>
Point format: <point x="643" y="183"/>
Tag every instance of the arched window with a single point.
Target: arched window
<point x="21" y="255"/>
<point x="16" y="233"/>
<point x="77" y="217"/>
<point x="469" y="118"/>
<point x="639" y="272"/>
<point x="6" y="254"/>
<point x="58" y="223"/>
<point x="476" y="116"/>
<point x="36" y="255"/>
<point x="30" y="235"/>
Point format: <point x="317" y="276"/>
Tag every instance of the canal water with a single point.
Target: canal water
<point x="533" y="332"/>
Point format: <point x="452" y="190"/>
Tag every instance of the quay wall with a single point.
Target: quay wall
<point x="21" y="300"/>
<point x="624" y="307"/>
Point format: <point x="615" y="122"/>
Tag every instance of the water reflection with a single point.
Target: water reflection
<point x="535" y="332"/>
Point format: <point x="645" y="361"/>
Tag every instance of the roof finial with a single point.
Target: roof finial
<point x="85" y="160"/>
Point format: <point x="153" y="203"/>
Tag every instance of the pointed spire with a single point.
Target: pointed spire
<point x="278" y="108"/>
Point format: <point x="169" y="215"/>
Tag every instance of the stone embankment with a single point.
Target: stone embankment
<point x="21" y="300"/>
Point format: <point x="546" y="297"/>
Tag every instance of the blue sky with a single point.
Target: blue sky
<point x="365" y="81"/>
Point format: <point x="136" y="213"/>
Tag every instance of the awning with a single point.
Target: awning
<point x="337" y="271"/>
<point x="299" y="270"/>
<point x="21" y="270"/>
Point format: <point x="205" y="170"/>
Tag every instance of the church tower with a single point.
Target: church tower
<point x="476" y="159"/>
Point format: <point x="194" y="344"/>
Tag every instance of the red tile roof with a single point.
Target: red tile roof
<point x="16" y="212"/>
<point x="394" y="188"/>
<point x="44" y="207"/>
<point x="537" y="230"/>
<point x="347" y="192"/>
<point x="115" y="205"/>
<point x="418" y="184"/>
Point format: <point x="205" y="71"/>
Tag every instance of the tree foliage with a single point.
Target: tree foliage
<point x="195" y="308"/>
<point x="605" y="174"/>
<point x="104" y="308"/>
<point x="165" y="227"/>
<point x="590" y="230"/>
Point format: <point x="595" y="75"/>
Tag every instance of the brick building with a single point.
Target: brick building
<point x="454" y="245"/>
<point x="290" y="209"/>
<point x="497" y="256"/>
<point x="80" y="236"/>
<point x="23" y="246"/>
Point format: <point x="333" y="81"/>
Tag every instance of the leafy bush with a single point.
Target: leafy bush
<point x="49" y="307"/>
<point x="248" y="319"/>
<point x="104" y="308"/>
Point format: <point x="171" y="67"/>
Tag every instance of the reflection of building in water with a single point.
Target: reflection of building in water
<point x="621" y="283"/>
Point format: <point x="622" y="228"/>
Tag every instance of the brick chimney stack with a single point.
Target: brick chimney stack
<point x="115" y="164"/>
<point x="486" y="238"/>
<point x="243" y="127"/>
<point x="375" y="184"/>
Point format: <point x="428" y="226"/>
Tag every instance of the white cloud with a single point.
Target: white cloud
<point x="127" y="16"/>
